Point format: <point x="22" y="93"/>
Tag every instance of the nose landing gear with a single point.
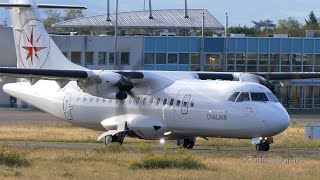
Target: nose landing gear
<point x="262" y="143"/>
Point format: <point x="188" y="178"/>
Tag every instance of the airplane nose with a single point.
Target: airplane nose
<point x="278" y="120"/>
<point x="284" y="121"/>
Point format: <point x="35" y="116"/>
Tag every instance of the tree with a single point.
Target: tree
<point x="312" y="21"/>
<point x="242" y="30"/>
<point x="73" y="14"/>
<point x="52" y="17"/>
<point x="264" y="25"/>
<point x="289" y="26"/>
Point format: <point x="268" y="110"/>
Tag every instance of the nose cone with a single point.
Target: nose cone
<point x="277" y="121"/>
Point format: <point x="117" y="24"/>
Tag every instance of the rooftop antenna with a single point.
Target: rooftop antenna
<point x="108" y="10"/>
<point x="186" y="9"/>
<point x="150" y="10"/>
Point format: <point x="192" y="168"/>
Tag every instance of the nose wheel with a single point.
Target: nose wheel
<point x="263" y="147"/>
<point x="262" y="143"/>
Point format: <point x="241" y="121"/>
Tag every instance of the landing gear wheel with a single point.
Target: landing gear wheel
<point x="118" y="138"/>
<point x="186" y="143"/>
<point x="263" y="147"/>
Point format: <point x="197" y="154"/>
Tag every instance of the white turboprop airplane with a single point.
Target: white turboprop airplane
<point x="161" y="105"/>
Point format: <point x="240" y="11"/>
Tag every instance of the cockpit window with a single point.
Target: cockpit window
<point x="272" y="97"/>
<point x="234" y="96"/>
<point x="259" y="96"/>
<point x="244" y="96"/>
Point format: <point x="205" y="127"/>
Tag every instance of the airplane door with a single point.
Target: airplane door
<point x="185" y="104"/>
<point x="67" y="107"/>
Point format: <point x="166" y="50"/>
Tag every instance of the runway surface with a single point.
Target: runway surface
<point x="15" y="117"/>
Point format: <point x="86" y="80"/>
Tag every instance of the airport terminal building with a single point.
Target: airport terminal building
<point x="166" y="51"/>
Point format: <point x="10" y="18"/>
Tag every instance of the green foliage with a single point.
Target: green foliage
<point x="110" y="148"/>
<point x="312" y="21"/>
<point x="53" y="16"/>
<point x="73" y="14"/>
<point x="242" y="30"/>
<point x="289" y="26"/>
<point x="143" y="148"/>
<point x="13" y="158"/>
<point x="166" y="161"/>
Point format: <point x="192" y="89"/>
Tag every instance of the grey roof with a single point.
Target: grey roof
<point x="170" y="18"/>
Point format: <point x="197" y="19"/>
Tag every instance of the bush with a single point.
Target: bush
<point x="110" y="148"/>
<point x="143" y="148"/>
<point x="165" y="161"/>
<point x="13" y="158"/>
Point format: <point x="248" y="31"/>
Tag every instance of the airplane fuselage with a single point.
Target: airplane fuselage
<point x="181" y="110"/>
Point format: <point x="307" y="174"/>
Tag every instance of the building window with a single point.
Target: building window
<point x="89" y="58"/>
<point x="172" y="58"/>
<point x="149" y="58"/>
<point x="76" y="57"/>
<point x="125" y="56"/>
<point x="252" y="62"/>
<point x="102" y="58"/>
<point x="195" y="58"/>
<point x="195" y="67"/>
<point x="274" y="62"/>
<point x="263" y="63"/>
<point x="111" y="58"/>
<point x="285" y="62"/>
<point x="307" y="62"/>
<point x="183" y="58"/>
<point x="213" y="59"/>
<point x="161" y="58"/>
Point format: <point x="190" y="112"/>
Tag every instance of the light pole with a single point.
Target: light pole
<point x="115" y="56"/>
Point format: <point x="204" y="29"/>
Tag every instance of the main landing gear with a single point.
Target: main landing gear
<point x="263" y="143"/>
<point x="186" y="143"/>
<point x="117" y="138"/>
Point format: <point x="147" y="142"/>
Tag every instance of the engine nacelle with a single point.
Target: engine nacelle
<point x="103" y="84"/>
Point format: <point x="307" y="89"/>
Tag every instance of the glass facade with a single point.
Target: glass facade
<point x="242" y="55"/>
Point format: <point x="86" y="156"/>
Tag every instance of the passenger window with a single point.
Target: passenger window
<point x="97" y="100"/>
<point x="185" y="104"/>
<point x="117" y="101"/>
<point x="137" y="101"/>
<point x="272" y="97"/>
<point x="84" y="99"/>
<point x="192" y="103"/>
<point x="178" y="102"/>
<point x="91" y="99"/>
<point x="255" y="96"/>
<point x="110" y="101"/>
<point x="145" y="101"/>
<point x="244" y="96"/>
<point x="130" y="100"/>
<point x="233" y="97"/>
<point x="104" y="100"/>
<point x="171" y="102"/>
<point x="158" y="101"/>
<point x="165" y="102"/>
<point x="151" y="101"/>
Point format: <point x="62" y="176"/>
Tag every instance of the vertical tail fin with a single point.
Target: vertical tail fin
<point x="34" y="47"/>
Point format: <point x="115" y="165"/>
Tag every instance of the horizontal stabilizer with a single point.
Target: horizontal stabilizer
<point x="54" y="6"/>
<point x="48" y="74"/>
<point x="10" y="5"/>
<point x="42" y="6"/>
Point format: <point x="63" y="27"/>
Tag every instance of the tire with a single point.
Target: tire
<point x="266" y="147"/>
